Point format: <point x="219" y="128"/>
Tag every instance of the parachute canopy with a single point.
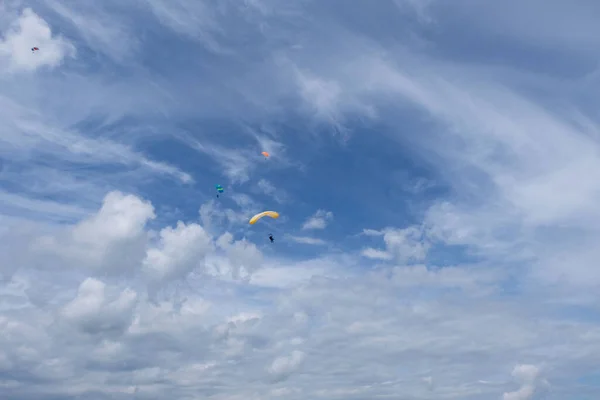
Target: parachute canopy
<point x="258" y="216"/>
<point x="264" y="153"/>
<point x="219" y="188"/>
<point x="34" y="49"/>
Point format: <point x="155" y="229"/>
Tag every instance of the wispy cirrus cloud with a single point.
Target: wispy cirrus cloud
<point x="28" y="134"/>
<point x="45" y="153"/>
<point x="103" y="32"/>
<point x="307" y="240"/>
<point x="319" y="220"/>
<point x="277" y="194"/>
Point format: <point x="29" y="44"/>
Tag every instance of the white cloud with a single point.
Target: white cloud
<point x="63" y="170"/>
<point x="428" y="380"/>
<point x="328" y="103"/>
<point x="239" y="320"/>
<point x="279" y="195"/>
<point x="243" y="257"/>
<point x="213" y="213"/>
<point x="194" y="19"/>
<point x="180" y="250"/>
<point x="29" y="31"/>
<point x="307" y="240"/>
<point x="323" y="96"/>
<point x="276" y="149"/>
<point x="527" y="375"/>
<point x="319" y="220"/>
<point x="376" y="254"/>
<point x="121" y="217"/>
<point x="103" y="32"/>
<point x="282" y="273"/>
<point x="348" y="324"/>
<point x="508" y="157"/>
<point x="13" y="204"/>
<point x="93" y="313"/>
<point x="403" y="245"/>
<point x="282" y="367"/>
<point x="236" y="164"/>
<point x="113" y="241"/>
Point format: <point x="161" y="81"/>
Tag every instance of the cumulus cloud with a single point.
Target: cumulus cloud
<point x="121" y="216"/>
<point x="284" y="366"/>
<point x="112" y="241"/>
<point x="319" y="220"/>
<point x="179" y="251"/>
<point x="243" y="257"/>
<point x="527" y="375"/>
<point x="313" y="326"/>
<point x="94" y="313"/>
<point x="403" y="245"/>
<point x="28" y="31"/>
<point x="143" y="339"/>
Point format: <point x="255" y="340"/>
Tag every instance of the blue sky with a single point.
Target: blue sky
<point x="433" y="165"/>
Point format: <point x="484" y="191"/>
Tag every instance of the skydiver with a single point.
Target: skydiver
<point x="271" y="238"/>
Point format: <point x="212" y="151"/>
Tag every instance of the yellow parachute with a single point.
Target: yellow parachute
<point x="258" y="216"/>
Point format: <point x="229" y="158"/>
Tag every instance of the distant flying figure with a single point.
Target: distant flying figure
<point x="271" y="238"/>
<point x="33" y="49"/>
<point x="219" y="189"/>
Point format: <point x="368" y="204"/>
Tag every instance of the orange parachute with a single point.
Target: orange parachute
<point x="264" y="153"/>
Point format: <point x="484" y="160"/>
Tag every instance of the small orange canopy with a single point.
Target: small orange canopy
<point x="264" y="153"/>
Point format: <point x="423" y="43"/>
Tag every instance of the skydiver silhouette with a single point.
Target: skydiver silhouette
<point x="271" y="238"/>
